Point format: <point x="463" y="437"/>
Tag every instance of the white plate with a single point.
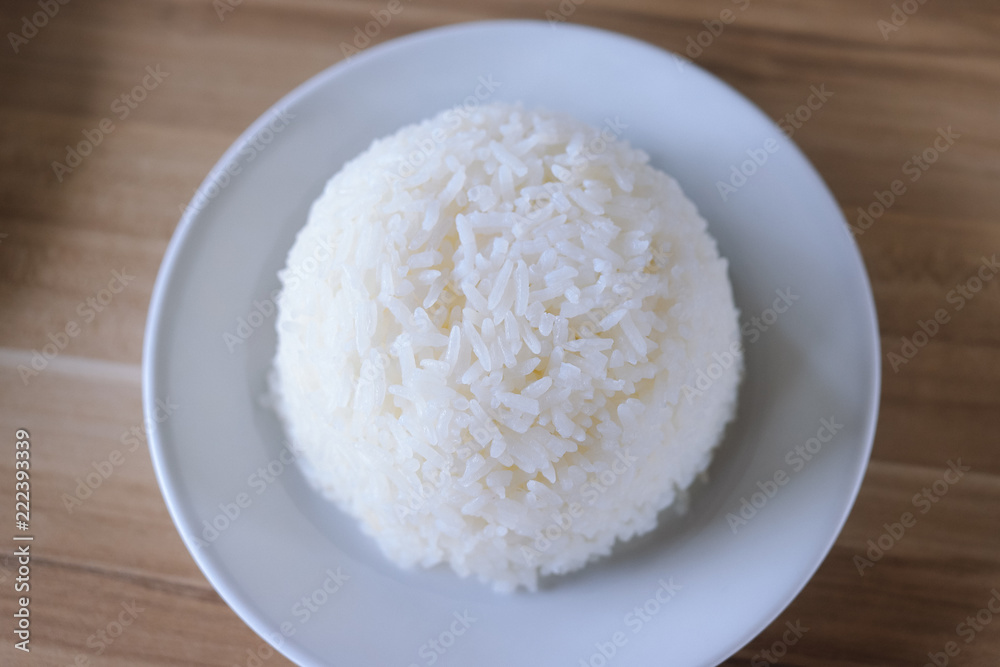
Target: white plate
<point x="780" y="230"/>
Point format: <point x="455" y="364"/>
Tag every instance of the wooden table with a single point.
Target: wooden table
<point x="206" y="70"/>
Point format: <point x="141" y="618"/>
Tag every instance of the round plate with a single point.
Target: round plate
<point x="303" y="576"/>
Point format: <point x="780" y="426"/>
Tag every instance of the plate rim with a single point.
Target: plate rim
<point x="218" y="577"/>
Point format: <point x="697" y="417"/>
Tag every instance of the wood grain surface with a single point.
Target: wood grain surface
<point x="64" y="233"/>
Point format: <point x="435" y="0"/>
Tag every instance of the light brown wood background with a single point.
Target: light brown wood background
<point x="60" y="241"/>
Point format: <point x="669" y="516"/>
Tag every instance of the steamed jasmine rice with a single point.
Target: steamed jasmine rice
<point x="491" y="359"/>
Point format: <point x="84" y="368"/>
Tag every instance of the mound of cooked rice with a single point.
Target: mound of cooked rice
<point x="495" y="338"/>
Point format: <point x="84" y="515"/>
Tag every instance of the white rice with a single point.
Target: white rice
<point x="484" y="338"/>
